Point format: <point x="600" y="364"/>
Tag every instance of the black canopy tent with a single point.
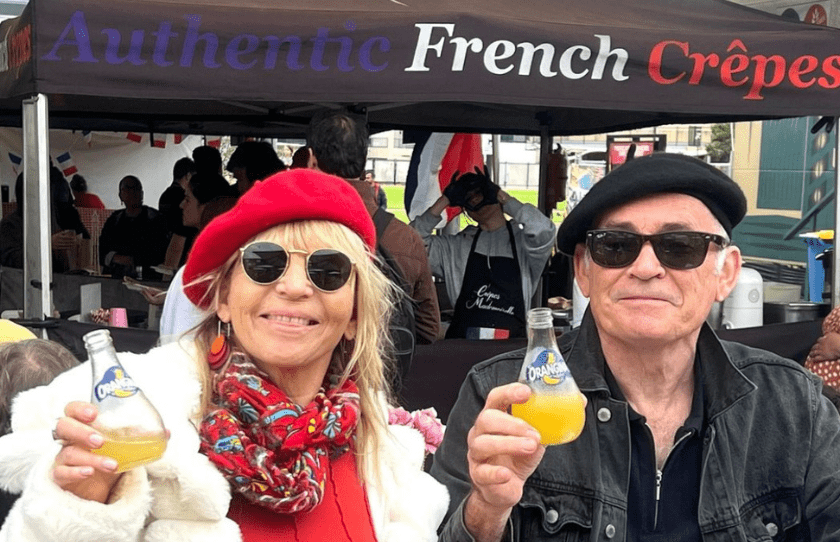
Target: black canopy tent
<point x="256" y="67"/>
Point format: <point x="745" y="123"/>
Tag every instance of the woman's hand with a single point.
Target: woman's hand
<point x="826" y="348"/>
<point x="76" y="468"/>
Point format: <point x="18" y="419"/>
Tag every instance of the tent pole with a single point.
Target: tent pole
<point x="835" y="267"/>
<point x="496" y="167"/>
<point x="37" y="267"/>
<point x="542" y="197"/>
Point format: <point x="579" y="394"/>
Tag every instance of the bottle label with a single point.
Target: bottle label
<point x="116" y="383"/>
<point x="548" y="366"/>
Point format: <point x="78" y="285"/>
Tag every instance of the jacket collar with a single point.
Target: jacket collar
<point x="723" y="383"/>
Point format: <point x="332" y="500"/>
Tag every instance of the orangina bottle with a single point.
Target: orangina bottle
<point x="132" y="427"/>
<point x="556" y="406"/>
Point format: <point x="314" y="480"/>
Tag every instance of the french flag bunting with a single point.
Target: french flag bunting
<point x="177" y="138"/>
<point x="487" y="333"/>
<point x="66" y="165"/>
<point x="88" y="136"/>
<point x="215" y="142"/>
<point x="159" y="140"/>
<point x="436" y="157"/>
<point x="16" y="161"/>
<point x="133" y="136"/>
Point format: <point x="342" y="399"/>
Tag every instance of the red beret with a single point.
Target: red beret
<point x="289" y="196"/>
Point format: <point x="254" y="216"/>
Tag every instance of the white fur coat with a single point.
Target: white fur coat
<point x="181" y="497"/>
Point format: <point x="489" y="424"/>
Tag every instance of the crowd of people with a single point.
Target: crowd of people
<point x="278" y="350"/>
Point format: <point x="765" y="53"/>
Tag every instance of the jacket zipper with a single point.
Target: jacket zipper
<point x="658" y="487"/>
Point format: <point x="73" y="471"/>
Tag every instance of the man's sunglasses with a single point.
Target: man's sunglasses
<point x="264" y="263"/>
<point x="675" y="249"/>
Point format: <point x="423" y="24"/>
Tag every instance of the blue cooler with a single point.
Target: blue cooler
<point x="816" y="272"/>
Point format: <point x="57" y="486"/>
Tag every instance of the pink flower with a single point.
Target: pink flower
<point x="399" y="416"/>
<point x="425" y="421"/>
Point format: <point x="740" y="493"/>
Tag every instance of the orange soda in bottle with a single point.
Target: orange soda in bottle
<point x="556" y="406"/>
<point x="133" y="430"/>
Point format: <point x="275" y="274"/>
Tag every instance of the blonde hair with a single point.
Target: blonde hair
<point x="373" y="304"/>
<point x="27" y="364"/>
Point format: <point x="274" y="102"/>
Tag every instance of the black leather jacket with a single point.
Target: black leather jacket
<point x="771" y="453"/>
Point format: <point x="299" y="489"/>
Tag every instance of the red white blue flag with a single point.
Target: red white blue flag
<point x="435" y="158"/>
<point x="66" y="164"/>
<point x="159" y="141"/>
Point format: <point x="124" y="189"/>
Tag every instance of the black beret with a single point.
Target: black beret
<point x="657" y="173"/>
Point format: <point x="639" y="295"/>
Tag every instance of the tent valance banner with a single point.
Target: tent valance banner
<point x="579" y="66"/>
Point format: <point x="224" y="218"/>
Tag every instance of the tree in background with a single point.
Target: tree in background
<point x="721" y="146"/>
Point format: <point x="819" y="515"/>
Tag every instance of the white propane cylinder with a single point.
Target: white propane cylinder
<point x="744" y="307"/>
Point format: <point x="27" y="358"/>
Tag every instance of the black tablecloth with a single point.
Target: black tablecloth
<point x="439" y="369"/>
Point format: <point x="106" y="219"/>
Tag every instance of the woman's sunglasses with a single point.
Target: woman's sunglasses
<point x="264" y="263"/>
<point x="675" y="249"/>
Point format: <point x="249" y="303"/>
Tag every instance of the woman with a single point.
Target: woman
<point x="824" y="357"/>
<point x="294" y="420"/>
<point x="206" y="196"/>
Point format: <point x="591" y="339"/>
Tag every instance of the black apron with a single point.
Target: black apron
<point x="490" y="304"/>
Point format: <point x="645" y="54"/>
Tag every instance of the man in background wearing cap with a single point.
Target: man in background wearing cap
<point x="687" y="437"/>
<point x="338" y="145"/>
<point x="491" y="270"/>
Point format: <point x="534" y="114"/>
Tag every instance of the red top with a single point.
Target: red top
<point x="86" y="199"/>
<point x="342" y="516"/>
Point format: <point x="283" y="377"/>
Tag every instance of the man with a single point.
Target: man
<point x="134" y="237"/>
<point x="687" y="437"/>
<point x="378" y="194"/>
<point x="169" y="205"/>
<point x="491" y="270"/>
<point x="338" y="146"/>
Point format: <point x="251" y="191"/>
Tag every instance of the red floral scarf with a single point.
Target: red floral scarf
<point x="272" y="451"/>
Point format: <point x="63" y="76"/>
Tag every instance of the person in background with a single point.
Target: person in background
<point x="169" y="205"/>
<point x="63" y="214"/>
<point x="206" y="196"/>
<point x="338" y="145"/>
<point x="70" y="248"/>
<point x="824" y="357"/>
<point x="207" y="159"/>
<point x="81" y="196"/>
<point x="25" y="362"/>
<point x="134" y="237"/>
<point x="253" y="161"/>
<point x="378" y="193"/>
<point x="300" y="158"/>
<point x="687" y="437"/>
<point x="491" y="270"/>
<point x="289" y="410"/>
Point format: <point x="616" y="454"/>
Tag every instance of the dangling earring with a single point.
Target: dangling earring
<point x="220" y="349"/>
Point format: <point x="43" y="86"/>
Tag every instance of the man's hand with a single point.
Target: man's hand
<point x="502" y="452"/>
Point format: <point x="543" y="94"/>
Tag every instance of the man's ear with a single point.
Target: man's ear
<point x="582" y="268"/>
<point x="728" y="276"/>
<point x="312" y="163"/>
